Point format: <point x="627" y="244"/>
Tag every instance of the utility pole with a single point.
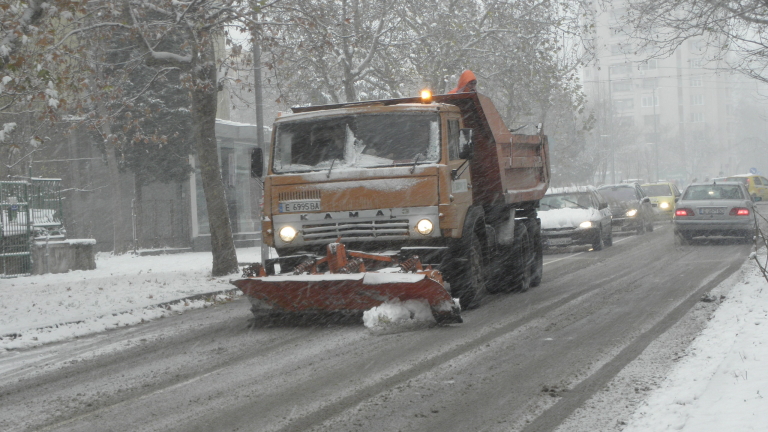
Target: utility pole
<point x="257" y="90"/>
<point x="655" y="135"/>
<point x="610" y="110"/>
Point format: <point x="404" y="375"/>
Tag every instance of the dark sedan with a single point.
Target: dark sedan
<point x="714" y="209"/>
<point x="630" y="206"/>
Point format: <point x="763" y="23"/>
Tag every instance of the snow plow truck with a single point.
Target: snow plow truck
<point x="428" y="198"/>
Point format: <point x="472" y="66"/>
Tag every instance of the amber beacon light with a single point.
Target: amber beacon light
<point x="426" y="96"/>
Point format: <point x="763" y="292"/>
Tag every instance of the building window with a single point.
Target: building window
<point x="617" y="31"/>
<point x="621" y="86"/>
<point x="651" y="138"/>
<point x="729" y="109"/>
<point x="624" y="104"/>
<point x="649" y="83"/>
<point x="697" y="99"/>
<point x="696" y="81"/>
<point x="621" y="69"/>
<point x="697" y="117"/>
<point x="649" y="65"/>
<point x="650" y="100"/>
<point x="695" y="63"/>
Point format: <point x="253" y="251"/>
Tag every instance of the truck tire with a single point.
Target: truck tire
<point x="522" y="260"/>
<point x="470" y="280"/>
<point x="538" y="253"/>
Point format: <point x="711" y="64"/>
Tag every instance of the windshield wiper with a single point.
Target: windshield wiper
<point x="415" y="161"/>
<point x="330" y="169"/>
<point x="575" y="203"/>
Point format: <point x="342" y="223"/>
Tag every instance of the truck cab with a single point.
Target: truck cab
<point x="386" y="176"/>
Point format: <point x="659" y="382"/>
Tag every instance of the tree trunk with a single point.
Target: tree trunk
<point x="204" y="121"/>
<point x="119" y="225"/>
<point x="138" y="198"/>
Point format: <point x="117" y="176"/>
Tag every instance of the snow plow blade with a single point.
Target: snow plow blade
<point x="348" y="293"/>
<point x="346" y="287"/>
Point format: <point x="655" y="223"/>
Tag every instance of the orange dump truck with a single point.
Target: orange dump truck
<point x="412" y="198"/>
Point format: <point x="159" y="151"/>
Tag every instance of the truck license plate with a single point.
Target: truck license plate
<point x="712" y="211"/>
<point x="299" y="206"/>
<point x="559" y="241"/>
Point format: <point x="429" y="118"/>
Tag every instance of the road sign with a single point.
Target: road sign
<point x="753" y="170"/>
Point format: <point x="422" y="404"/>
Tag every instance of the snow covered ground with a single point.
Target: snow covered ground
<point x="123" y="290"/>
<point x="720" y="384"/>
<point x="722" y="381"/>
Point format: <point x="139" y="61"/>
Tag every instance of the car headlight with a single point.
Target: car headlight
<point x="631" y="213"/>
<point x="424" y="227"/>
<point x="288" y="234"/>
<point x="585" y="224"/>
<point x="664" y="205"/>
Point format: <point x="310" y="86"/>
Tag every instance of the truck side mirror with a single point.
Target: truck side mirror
<point x="466" y="143"/>
<point x="257" y="163"/>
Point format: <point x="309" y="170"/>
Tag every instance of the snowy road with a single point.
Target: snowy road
<point x="519" y="362"/>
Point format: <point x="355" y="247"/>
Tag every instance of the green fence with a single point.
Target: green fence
<point x="29" y="211"/>
<point x="15" y="229"/>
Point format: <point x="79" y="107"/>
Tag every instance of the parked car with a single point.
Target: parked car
<point x="714" y="209"/>
<point x="630" y="207"/>
<point x="662" y="195"/>
<point x="756" y="185"/>
<point x="576" y="215"/>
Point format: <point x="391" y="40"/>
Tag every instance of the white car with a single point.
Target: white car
<point x="576" y="215"/>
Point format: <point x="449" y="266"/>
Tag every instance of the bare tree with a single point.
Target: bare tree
<point x="75" y="55"/>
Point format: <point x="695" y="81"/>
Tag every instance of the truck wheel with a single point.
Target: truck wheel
<point x="470" y="281"/>
<point x="538" y="256"/>
<point x="522" y="260"/>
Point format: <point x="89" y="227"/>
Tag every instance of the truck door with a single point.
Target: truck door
<point x="461" y="186"/>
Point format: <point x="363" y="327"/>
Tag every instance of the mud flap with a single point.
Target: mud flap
<point x="348" y="293"/>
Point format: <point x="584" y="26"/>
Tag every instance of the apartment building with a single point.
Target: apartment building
<point x="666" y="118"/>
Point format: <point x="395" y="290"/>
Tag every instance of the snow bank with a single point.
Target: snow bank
<point x="722" y="383"/>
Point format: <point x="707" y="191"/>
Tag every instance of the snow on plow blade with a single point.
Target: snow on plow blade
<point x="349" y="293"/>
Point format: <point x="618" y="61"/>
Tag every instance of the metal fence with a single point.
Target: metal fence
<point x="29" y="210"/>
<point x="15" y="229"/>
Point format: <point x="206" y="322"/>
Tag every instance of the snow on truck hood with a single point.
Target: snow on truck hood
<point x="566" y="218"/>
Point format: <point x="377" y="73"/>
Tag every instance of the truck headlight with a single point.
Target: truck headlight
<point x="631" y="213"/>
<point x="424" y="227"/>
<point x="585" y="224"/>
<point x="288" y="234"/>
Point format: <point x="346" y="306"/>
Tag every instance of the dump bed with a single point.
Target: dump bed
<point x="512" y="167"/>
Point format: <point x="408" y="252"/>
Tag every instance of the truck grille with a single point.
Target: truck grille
<point x="299" y="195"/>
<point x="393" y="229"/>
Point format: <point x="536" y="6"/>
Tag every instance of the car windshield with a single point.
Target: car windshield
<point x="363" y="141"/>
<point x="560" y="201"/>
<point x="618" y="194"/>
<point x="657" y="190"/>
<point x="713" y="192"/>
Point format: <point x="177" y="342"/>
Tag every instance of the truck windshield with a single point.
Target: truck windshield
<point x="361" y="141"/>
